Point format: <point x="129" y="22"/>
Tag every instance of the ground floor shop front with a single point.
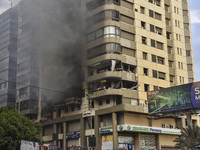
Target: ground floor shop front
<point x="133" y="137"/>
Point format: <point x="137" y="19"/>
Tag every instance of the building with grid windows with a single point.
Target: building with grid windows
<point x="8" y="57"/>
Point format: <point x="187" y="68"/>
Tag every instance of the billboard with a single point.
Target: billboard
<point x="175" y="98"/>
<point x="73" y="135"/>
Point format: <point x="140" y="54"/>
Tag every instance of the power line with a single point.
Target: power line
<point x="61" y="92"/>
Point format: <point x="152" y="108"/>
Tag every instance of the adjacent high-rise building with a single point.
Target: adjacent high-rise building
<point x="126" y="48"/>
<point x="27" y="67"/>
<point x="8" y="57"/>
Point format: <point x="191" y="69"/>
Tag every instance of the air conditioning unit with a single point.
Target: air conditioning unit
<point x="102" y="124"/>
<point x="163" y="125"/>
<point x="171" y="126"/>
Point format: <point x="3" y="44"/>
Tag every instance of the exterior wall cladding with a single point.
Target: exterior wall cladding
<point x="129" y="47"/>
<point x="8" y="57"/>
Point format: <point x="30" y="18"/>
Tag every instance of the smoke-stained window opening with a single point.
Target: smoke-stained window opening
<point x="111" y="83"/>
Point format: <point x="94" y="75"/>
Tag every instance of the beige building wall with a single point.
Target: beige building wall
<point x="153" y="54"/>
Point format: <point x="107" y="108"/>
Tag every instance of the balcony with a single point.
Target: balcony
<point x="110" y="91"/>
<point x="29" y="112"/>
<point x="73" y="101"/>
<point x="116" y="74"/>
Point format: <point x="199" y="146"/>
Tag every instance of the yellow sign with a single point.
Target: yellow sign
<point x="107" y="138"/>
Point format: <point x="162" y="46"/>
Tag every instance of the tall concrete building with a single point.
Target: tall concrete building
<point x="130" y="47"/>
<point x="8" y="57"/>
<point x="127" y="47"/>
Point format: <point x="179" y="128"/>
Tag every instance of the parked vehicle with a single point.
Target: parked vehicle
<point x="48" y="147"/>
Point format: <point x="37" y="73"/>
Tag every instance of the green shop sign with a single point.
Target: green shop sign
<point x="146" y="129"/>
<point x="104" y="130"/>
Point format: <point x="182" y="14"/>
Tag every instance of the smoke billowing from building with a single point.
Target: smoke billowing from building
<point x="58" y="55"/>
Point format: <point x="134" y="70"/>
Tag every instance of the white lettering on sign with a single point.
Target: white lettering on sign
<point x="197" y="90"/>
<point x="197" y="97"/>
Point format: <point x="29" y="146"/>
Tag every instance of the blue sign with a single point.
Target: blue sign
<point x="182" y="97"/>
<point x="73" y="135"/>
<point x="130" y="146"/>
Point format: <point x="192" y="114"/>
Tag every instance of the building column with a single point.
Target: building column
<point x="54" y="131"/>
<point x="137" y="141"/>
<point x="115" y="133"/>
<point x="83" y="139"/>
<point x="158" y="146"/>
<point x="64" y="135"/>
<point x="189" y="119"/>
<point x="97" y="134"/>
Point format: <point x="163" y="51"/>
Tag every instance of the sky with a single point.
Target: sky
<point x="195" y="24"/>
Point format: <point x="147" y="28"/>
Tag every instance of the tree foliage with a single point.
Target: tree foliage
<point x="15" y="127"/>
<point x="190" y="138"/>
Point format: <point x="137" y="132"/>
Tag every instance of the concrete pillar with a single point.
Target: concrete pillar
<point x="64" y="135"/>
<point x="180" y="123"/>
<point x="137" y="141"/>
<point x="115" y="133"/>
<point x="189" y="119"/>
<point x="83" y="138"/>
<point x="54" y="131"/>
<point x="158" y="146"/>
<point x="97" y="135"/>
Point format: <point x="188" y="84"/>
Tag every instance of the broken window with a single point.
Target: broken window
<point x="144" y="40"/>
<point x="143" y="25"/>
<point x="146" y="87"/>
<point x="145" y="70"/>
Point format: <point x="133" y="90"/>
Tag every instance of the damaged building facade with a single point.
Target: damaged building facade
<point x="130" y="47"/>
<point x="110" y="55"/>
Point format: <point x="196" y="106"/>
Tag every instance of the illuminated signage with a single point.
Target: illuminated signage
<point x="182" y="97"/>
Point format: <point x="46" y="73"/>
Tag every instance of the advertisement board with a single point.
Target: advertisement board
<point x="182" y="97"/>
<point x="107" y="142"/>
<point x="126" y="142"/>
<point x="147" y="129"/>
<point x="29" y="145"/>
<point x="73" y="135"/>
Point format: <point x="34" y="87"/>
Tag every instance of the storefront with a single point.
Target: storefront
<point x="127" y="135"/>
